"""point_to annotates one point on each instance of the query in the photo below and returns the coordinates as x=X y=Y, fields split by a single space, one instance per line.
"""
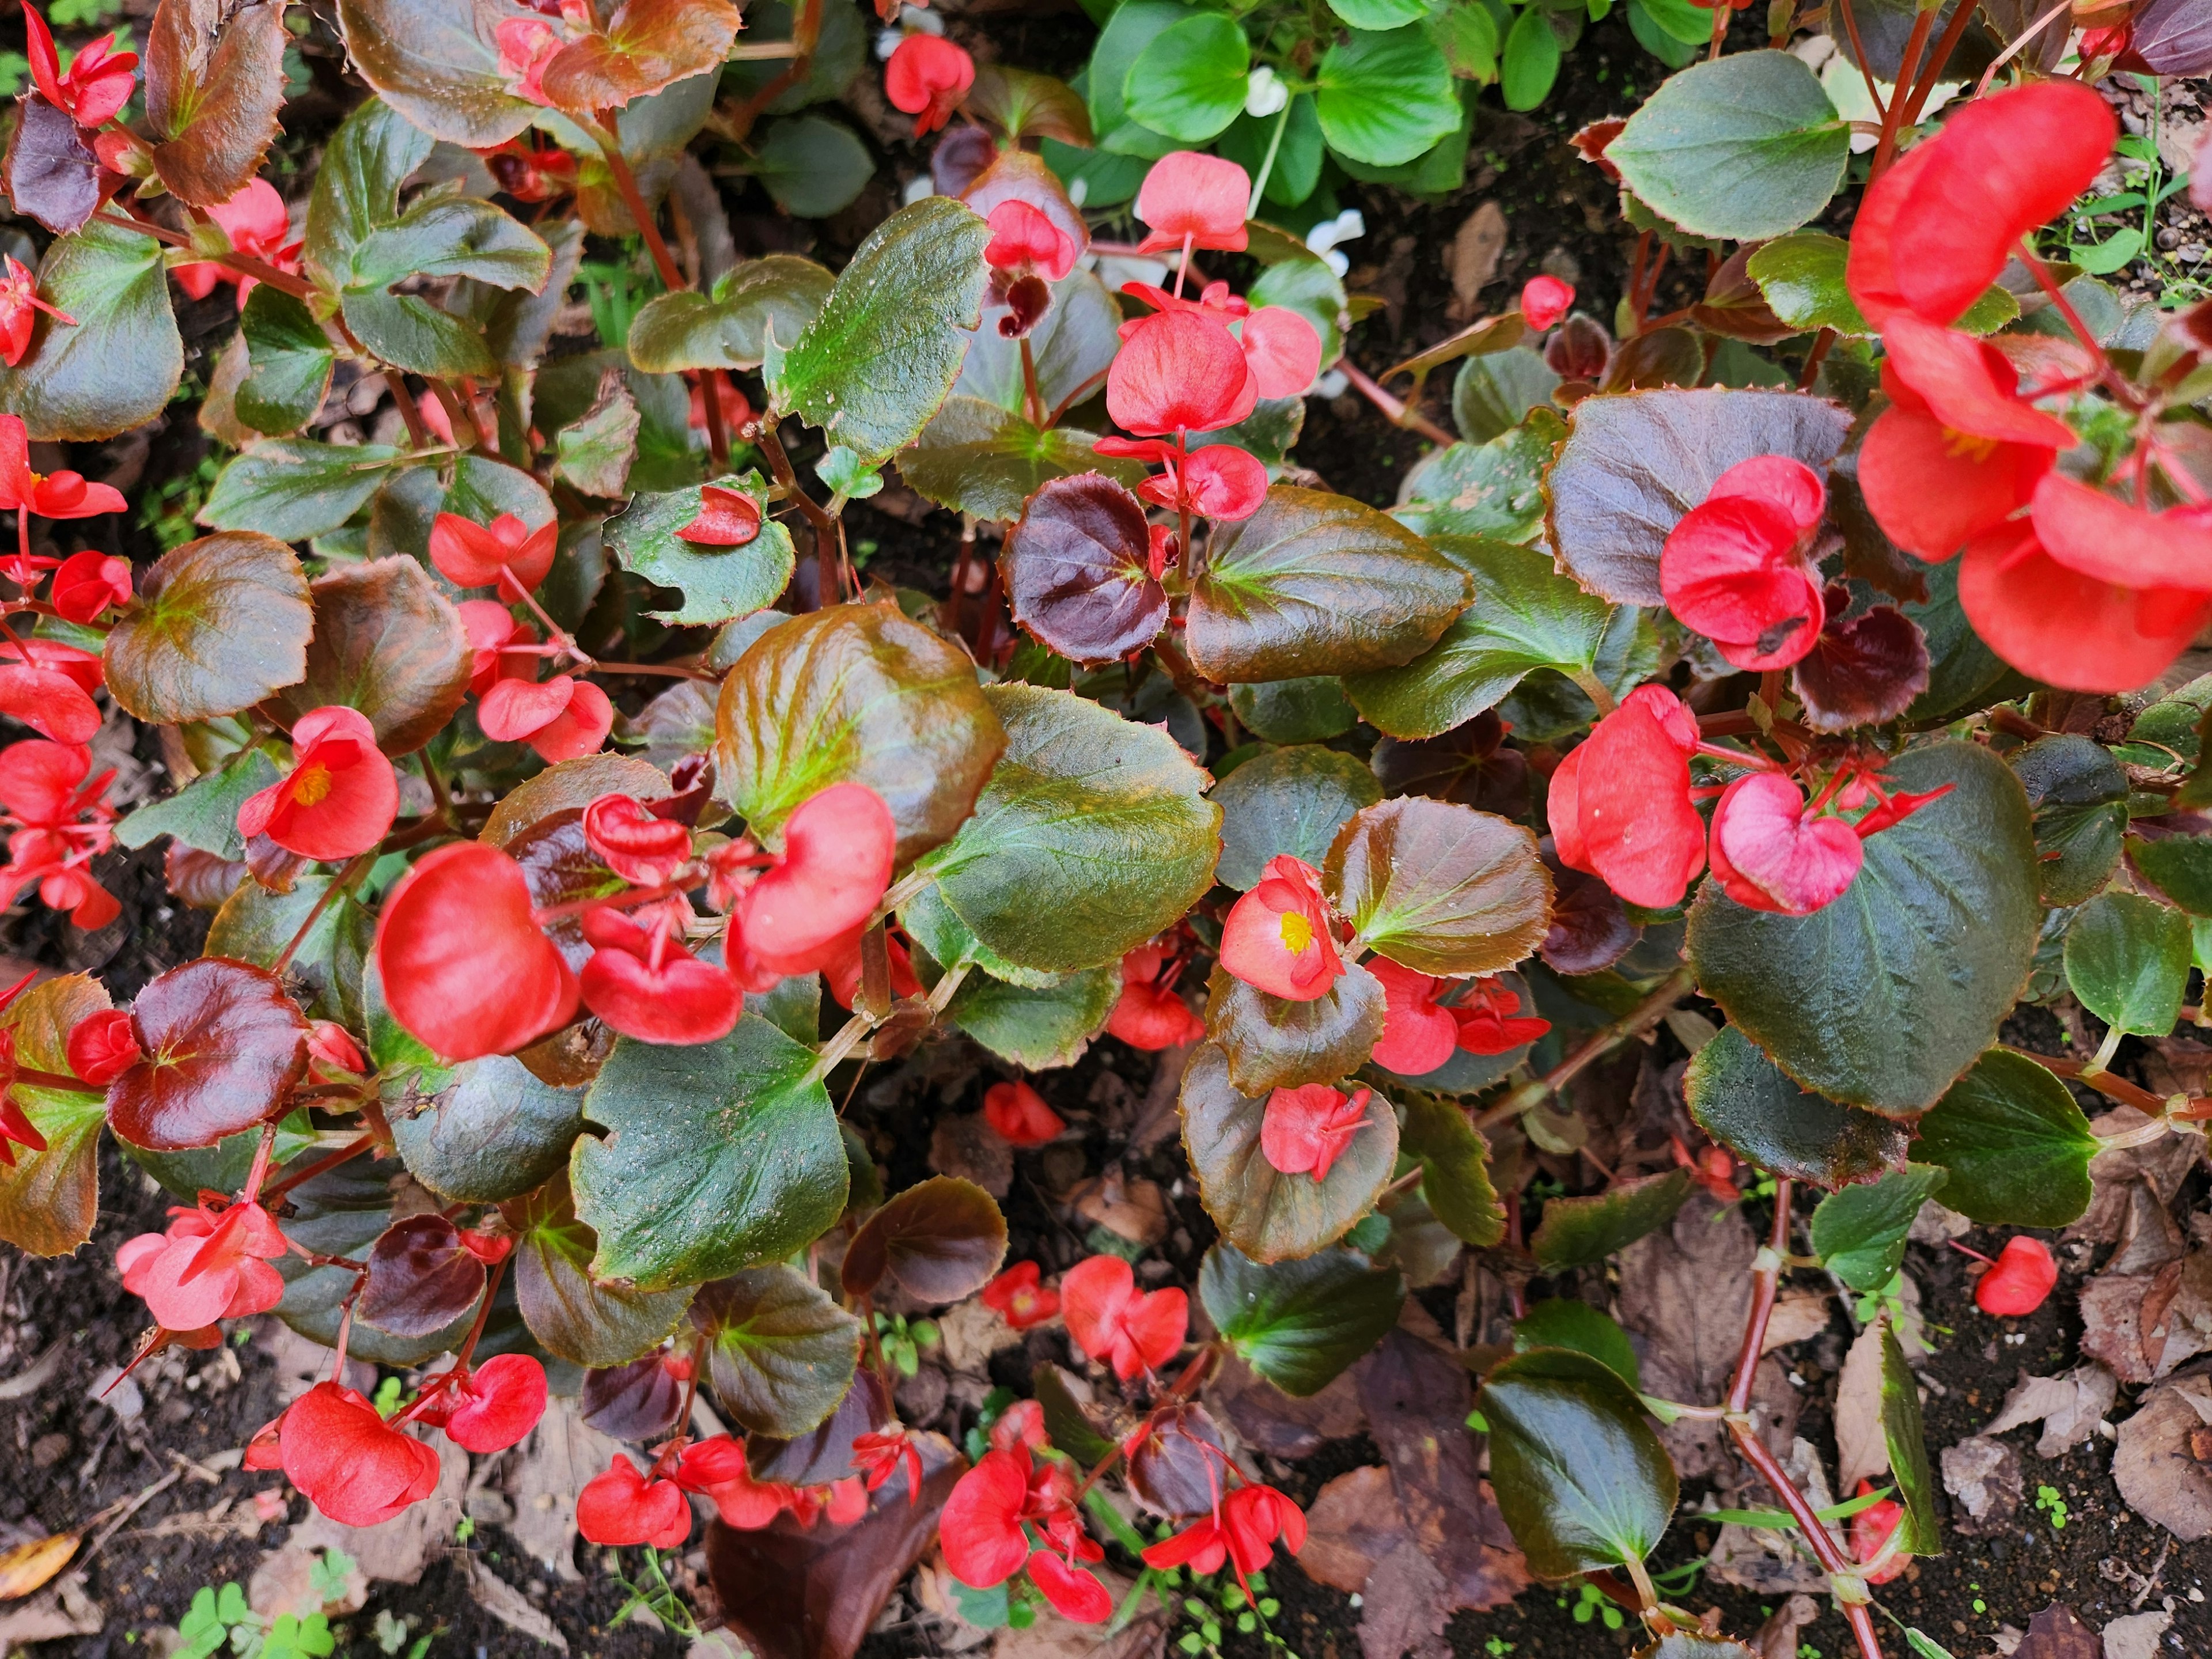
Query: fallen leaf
x=2145 y=1325
x=285 y=1581
x=2058 y=1633
x=1777 y=1636
x=1476 y=248
x=1405 y=1607
x=970 y=1333
x=2135 y=1637
x=970 y=1149
x=1862 y=1450
x=28 y=1566
x=510 y=1606
x=1134 y=1210
x=1797 y=1315
x=1281 y=1425
x=2165 y=1163
x=2151 y=1465
x=2149 y=1238
x=61 y=1609
x=1685 y=1290
x=1763 y=1559
x=2069 y=1406
x=1354 y=1522
x=1984 y=1476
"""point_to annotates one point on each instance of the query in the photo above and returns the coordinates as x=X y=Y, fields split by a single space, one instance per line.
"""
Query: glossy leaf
x=1633 y=465
x=779 y=1353
x=438 y=65
x=1072 y=348
x=1315 y=583
x=1269 y=1216
x=856 y=692
x=388 y=643
x=1575 y=1232
x=721 y=1155
x=825 y=1454
x=1743 y=1100
x=291 y=360
x=1801 y=277
x=728 y=326
x=1272 y=1043
x=577 y=1316
x=118 y=366
x=51 y=174
x=254 y=926
x=49 y=1200
x=1105 y=815
x=1307 y=709
x=1917 y=1531
x=2127 y=959
x=1387 y=97
x=1454 y=1169
x=2015 y=1144
x=718 y=584
x=1859 y=1232
x=203 y=814
x=217 y=625
x=645 y=45
x=978 y=459
x=1929 y=944
x=1290 y=800
x=223 y=1047
x=1494 y=392
x=214 y=86
x=571 y=787
x=420 y=1279
x=813 y=166
x=1299 y=1324
x=880 y=356
x=1442 y=889
x=1037 y=1027
x=2179 y=866
x=1563 y=1322
x=343 y=1212
x=492 y=1133
x=940 y=1241
x=1582 y=1479
x=294 y=488
x=1744 y=147
x=1075 y=567
x=1189 y=82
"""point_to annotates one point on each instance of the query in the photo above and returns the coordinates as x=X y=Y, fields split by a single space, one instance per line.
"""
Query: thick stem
x=1766 y=1280
x=1915 y=43
x=1412 y=419
x=1938 y=61
x=672 y=278
x=260 y=270
x=1032 y=399
x=718 y=437
x=1811 y=373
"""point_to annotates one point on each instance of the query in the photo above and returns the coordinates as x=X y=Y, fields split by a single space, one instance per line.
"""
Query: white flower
x=1331 y=384
x=1324 y=238
x=1265 y=93
x=912 y=20
x=917 y=187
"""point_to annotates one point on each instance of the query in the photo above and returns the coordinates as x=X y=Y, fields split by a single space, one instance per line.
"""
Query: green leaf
x=1565 y=1323
x=1917 y=1532
x=1273 y=1043
x=1803 y=278
x=49 y=1200
x=1686 y=22
x=1189 y=81
x=1379 y=14
x=578 y=1317
x=722 y=1155
x=1531 y=60
x=856 y=692
x=402 y=513
x=729 y=327
x=407 y=331
x=1744 y=147
x=1037 y=1028
x=1315 y=583
x=1454 y=1169
x=1859 y=1232
x=1581 y=1479
x=940 y=1241
x=293 y=489
x=203 y=814
x=291 y=359
x=218 y=625
x=1575 y=1232
x=1267 y=1215
x=437 y=66
x=2015 y=1143
x=593 y=454
x=877 y=361
x=1742 y=1100
x=1299 y=1324
x=1105 y=815
x=780 y=1352
x=929 y=922
x=2179 y=866
x=811 y=166
x=120 y=364
x=2127 y=958
x=387 y=643
x=255 y=925
x=1071 y=348
x=978 y=459
x=1386 y=97
x=1308 y=709
x=1929 y=947
x=718 y=584
x=1525 y=617
x=448 y=236
x=1441 y=888
x=1495 y=392
x=2078 y=795
x=493 y=1132
x=1290 y=800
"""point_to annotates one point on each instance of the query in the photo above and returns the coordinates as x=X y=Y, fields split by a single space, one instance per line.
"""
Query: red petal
x=2093 y=534
x=2070 y=630
x=1966 y=384
x=727 y=518
x=838 y=853
x=505 y=1399
x=981 y=1525
x=1179 y=371
x=49 y=703
x=1020 y=1115
x=684 y=1001
x=1074 y=1593
x=353 y=1466
x=1932 y=492
x=1203 y=198
x=1766 y=853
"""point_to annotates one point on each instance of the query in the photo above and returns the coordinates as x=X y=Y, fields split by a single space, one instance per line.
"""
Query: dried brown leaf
x=2152 y=1466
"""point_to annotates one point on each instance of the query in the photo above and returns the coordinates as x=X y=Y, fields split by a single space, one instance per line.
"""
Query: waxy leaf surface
x=1299 y=1323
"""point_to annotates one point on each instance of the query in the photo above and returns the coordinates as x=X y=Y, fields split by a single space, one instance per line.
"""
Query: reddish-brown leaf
x=648 y=45
x=214 y=86
x=224 y=1046
x=1075 y=569
x=420 y=1279
x=51 y=176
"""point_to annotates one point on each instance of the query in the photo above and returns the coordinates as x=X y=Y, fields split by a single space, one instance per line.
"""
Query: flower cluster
x=59 y=820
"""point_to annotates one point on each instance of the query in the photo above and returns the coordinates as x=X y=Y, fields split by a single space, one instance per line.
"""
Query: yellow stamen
x=1965 y=446
x=311 y=784
x=1297 y=932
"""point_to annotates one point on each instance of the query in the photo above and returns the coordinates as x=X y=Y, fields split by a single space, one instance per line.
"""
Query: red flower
x=562 y=719
x=257 y=224
x=1017 y=1296
x=1305 y=1130
x=100 y=77
x=527 y=47
x=2022 y=1277
x=838 y=851
x=1544 y=301
x=352 y=1465
x=47 y=495
x=102 y=1047
x=642 y=850
x=1112 y=1320
x=87 y=583
x=530 y=172
x=1935 y=230
x=842 y=972
x=1871 y=1528
x=1194 y=201
x=1020 y=1115
x=339 y=797
x=1242 y=1533
x=1280 y=346
x=981 y=1523
x=1619 y=803
x=49 y=703
x=622 y=1506
x=1021 y=1424
x=19 y=306
x=716 y=1467
x=737 y=415
x=879 y=1456
x=1490 y=1020
x=646 y=985
x=926 y=77
x=1735 y=568
x=499 y=644
x=1417 y=1035
x=1074 y=1593
x=499 y=1403
x=727 y=518
x=1023 y=239
x=506 y=551
x=1277 y=939
x=210 y=1265
x=1769 y=854
x=1712 y=1167
x=332 y=1053
x=1217 y=481
x=1179 y=371
x=1957 y=452
x=464 y=966
x=60 y=820
x=1150 y=1015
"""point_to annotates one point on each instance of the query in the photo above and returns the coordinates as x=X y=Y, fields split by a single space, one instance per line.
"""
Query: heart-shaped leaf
x=1742 y=1100
x=217 y=625
x=1287 y=801
x=223 y=1047
x=1299 y=1323
x=214 y=87
x=387 y=642
x=341 y=1212
x=2015 y=1142
x=420 y=1278
x=780 y=1352
x=1577 y=1232
x=1929 y=946
x=1075 y=567
x=1567 y=1322
x=1859 y=1232
x=254 y=926
x=492 y=1133
x=728 y=327
x=51 y=174
x=1442 y=889
x=438 y=65
x=49 y=1200
x=118 y=365
x=1454 y=1169
x=721 y=1155
x=940 y=1241
x=1272 y=1043
x=1268 y=1215
x=578 y=1317
x=718 y=584
x=2127 y=959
